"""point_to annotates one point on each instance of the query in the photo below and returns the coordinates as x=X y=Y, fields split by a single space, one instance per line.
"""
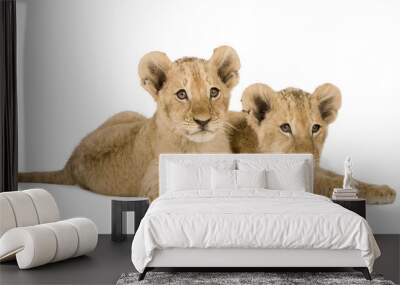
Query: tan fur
x=121 y=156
x=257 y=129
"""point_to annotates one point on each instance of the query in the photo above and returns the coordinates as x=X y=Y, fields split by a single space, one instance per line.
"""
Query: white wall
x=79 y=66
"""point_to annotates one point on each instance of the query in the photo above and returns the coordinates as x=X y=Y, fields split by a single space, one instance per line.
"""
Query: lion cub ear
x=153 y=68
x=227 y=62
x=329 y=100
x=256 y=102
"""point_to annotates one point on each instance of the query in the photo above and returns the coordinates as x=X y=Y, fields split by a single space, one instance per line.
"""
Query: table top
x=130 y=199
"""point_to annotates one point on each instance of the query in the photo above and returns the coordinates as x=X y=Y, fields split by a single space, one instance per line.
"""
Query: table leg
x=117 y=221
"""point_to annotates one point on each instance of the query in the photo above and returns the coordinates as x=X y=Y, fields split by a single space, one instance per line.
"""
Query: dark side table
x=355 y=205
x=119 y=209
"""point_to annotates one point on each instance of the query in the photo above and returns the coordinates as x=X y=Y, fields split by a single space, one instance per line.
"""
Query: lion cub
x=121 y=156
x=294 y=121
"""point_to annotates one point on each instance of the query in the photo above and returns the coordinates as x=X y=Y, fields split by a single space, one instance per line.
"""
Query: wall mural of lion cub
x=121 y=156
x=294 y=121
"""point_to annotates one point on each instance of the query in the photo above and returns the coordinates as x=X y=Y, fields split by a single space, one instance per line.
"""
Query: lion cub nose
x=202 y=123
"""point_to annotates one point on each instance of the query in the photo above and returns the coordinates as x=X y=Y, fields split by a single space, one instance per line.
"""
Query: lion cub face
x=291 y=120
x=192 y=94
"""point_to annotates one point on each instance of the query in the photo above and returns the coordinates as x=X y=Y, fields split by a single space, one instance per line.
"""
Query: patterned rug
x=244 y=278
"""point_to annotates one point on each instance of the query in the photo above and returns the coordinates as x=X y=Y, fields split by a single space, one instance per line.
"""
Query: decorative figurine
x=348 y=172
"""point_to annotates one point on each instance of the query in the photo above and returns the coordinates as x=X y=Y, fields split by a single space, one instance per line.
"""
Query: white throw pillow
x=193 y=175
x=183 y=178
x=292 y=178
x=251 y=178
x=227 y=179
x=282 y=174
x=223 y=179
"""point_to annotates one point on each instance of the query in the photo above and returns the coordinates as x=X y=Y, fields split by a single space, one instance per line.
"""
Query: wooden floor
x=111 y=259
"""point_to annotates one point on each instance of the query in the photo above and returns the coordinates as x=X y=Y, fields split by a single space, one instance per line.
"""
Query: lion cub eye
x=315 y=128
x=181 y=94
x=214 y=92
x=286 y=128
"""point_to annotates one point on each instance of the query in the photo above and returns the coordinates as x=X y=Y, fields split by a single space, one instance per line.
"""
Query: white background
x=78 y=60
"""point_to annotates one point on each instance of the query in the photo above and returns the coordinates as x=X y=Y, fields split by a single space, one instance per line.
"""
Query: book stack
x=344 y=194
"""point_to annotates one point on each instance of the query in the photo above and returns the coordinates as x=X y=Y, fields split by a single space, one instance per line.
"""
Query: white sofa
x=31 y=230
